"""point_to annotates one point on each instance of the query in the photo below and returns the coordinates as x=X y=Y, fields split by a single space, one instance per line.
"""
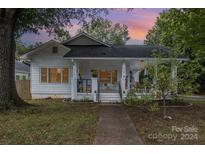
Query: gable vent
x=55 y=50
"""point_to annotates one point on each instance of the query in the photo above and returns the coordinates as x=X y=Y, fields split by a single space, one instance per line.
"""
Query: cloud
x=139 y=21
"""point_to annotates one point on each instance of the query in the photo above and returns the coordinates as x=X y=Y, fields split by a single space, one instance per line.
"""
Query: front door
x=108 y=80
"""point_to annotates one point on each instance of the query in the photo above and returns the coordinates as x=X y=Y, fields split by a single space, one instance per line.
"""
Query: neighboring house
x=22 y=71
x=86 y=68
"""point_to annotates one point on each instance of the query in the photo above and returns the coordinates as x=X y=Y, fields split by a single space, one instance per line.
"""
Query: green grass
x=49 y=122
x=152 y=123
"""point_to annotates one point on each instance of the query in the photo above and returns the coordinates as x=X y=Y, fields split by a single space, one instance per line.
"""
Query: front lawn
x=182 y=129
x=49 y=122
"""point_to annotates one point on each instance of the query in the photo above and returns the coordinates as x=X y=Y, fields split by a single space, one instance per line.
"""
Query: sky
x=139 y=21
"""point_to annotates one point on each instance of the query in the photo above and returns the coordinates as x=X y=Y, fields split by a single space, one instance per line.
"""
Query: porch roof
x=124 y=51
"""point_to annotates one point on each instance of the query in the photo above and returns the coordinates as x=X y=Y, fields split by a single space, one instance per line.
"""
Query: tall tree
x=20 y=49
x=14 y=23
x=183 y=32
x=106 y=31
x=62 y=35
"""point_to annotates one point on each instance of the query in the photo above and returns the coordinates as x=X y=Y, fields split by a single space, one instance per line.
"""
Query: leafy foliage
x=21 y=48
x=183 y=32
x=106 y=31
x=53 y=20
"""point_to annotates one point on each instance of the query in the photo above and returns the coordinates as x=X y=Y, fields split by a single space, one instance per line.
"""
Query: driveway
x=115 y=127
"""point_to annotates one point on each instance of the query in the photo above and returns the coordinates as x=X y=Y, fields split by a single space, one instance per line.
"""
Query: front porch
x=104 y=79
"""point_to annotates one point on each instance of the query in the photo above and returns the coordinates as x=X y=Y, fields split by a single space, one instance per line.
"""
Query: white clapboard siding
x=47 y=59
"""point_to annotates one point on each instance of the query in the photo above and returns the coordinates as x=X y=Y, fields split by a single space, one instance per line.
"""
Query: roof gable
x=44 y=46
x=84 y=39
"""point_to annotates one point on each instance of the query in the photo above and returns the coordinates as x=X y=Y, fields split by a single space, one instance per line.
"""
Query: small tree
x=163 y=83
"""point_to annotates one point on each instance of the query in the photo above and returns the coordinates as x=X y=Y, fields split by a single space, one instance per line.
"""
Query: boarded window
x=105 y=76
x=108 y=76
x=65 y=75
x=44 y=75
x=114 y=77
x=54 y=75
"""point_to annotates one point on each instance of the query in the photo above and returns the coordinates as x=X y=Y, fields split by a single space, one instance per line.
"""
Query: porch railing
x=84 y=85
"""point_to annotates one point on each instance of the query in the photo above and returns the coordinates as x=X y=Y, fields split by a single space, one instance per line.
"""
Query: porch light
x=142 y=64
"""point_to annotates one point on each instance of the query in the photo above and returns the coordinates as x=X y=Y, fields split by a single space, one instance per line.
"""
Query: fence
x=23 y=88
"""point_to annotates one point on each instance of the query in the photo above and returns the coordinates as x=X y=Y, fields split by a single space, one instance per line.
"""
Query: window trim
x=54 y=83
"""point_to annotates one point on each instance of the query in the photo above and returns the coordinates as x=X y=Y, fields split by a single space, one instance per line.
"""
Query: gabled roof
x=44 y=45
x=84 y=39
x=123 y=51
x=21 y=67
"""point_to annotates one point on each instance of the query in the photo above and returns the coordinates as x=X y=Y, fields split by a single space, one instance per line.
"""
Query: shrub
x=153 y=107
x=132 y=98
x=146 y=99
x=150 y=102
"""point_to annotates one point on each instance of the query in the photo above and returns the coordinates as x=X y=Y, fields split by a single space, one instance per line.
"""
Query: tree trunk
x=164 y=106
x=16 y=100
x=8 y=94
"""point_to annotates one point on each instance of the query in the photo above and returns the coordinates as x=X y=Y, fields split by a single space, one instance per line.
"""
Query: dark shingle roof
x=21 y=67
x=124 y=51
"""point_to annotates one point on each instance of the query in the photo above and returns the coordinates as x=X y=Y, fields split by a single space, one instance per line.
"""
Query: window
x=54 y=75
x=65 y=75
x=44 y=78
x=105 y=76
x=108 y=76
x=23 y=77
x=55 y=50
x=17 y=77
x=114 y=77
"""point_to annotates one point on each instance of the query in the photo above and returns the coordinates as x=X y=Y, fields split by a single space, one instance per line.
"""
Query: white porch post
x=74 y=82
x=136 y=76
x=145 y=74
x=155 y=80
x=123 y=78
x=94 y=89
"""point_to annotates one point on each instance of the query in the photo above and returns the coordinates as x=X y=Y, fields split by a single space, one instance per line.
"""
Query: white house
x=83 y=67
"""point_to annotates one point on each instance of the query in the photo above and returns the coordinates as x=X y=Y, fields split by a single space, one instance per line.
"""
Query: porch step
x=110 y=97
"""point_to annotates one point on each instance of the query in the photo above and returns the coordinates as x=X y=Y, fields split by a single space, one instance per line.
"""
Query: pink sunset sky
x=139 y=21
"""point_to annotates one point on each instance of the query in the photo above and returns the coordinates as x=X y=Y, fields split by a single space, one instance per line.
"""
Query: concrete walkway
x=115 y=127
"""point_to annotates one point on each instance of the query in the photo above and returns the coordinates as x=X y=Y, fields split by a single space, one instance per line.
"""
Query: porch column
x=74 y=82
x=136 y=76
x=123 y=78
x=145 y=74
x=155 y=74
x=157 y=96
x=94 y=89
